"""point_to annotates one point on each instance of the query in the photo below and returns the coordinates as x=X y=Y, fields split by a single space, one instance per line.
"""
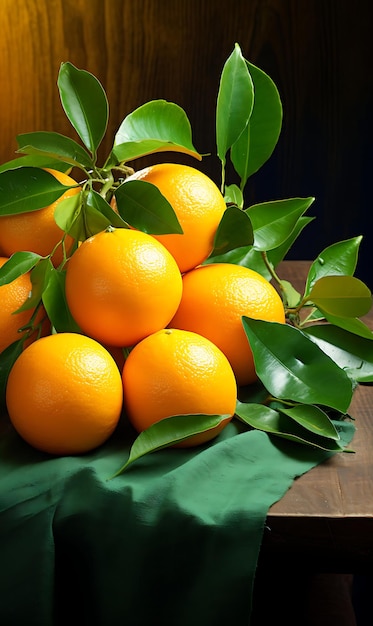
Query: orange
x=174 y=372
x=199 y=207
x=215 y=297
x=12 y=296
x=122 y=285
x=64 y=394
x=37 y=231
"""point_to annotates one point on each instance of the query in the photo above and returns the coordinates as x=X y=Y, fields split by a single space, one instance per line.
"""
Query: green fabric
x=172 y=541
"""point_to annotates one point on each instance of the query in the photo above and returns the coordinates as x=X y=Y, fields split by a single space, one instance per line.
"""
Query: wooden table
x=326 y=519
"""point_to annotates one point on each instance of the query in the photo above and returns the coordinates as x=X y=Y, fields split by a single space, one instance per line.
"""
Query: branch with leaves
x=308 y=369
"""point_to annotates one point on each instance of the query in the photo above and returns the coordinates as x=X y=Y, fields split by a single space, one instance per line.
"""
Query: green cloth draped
x=174 y=540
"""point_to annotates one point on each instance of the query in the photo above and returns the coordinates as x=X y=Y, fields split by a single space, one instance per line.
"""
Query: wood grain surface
x=318 y=52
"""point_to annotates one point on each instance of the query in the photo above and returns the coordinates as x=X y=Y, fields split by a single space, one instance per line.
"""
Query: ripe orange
x=64 y=394
x=199 y=207
x=37 y=231
x=176 y=372
x=122 y=285
x=215 y=297
x=12 y=296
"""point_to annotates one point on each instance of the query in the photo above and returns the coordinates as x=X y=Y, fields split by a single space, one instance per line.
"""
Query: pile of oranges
x=160 y=332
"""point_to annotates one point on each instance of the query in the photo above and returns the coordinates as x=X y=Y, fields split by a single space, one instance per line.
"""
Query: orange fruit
x=37 y=231
x=12 y=296
x=64 y=394
x=174 y=372
x=199 y=207
x=122 y=285
x=215 y=297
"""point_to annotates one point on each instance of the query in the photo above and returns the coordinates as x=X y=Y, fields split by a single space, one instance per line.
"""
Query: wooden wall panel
x=319 y=53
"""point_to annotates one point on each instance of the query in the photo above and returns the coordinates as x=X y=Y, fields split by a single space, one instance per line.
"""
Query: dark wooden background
x=319 y=53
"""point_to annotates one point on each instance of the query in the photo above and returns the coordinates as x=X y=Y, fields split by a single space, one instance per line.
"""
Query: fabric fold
x=173 y=540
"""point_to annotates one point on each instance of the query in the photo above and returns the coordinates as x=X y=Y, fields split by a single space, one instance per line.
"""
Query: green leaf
x=95 y=201
x=274 y=222
x=233 y=195
x=7 y=359
x=312 y=418
x=39 y=279
x=258 y=140
x=292 y=296
x=157 y=126
x=85 y=104
x=339 y=259
x=19 y=263
x=66 y=213
x=238 y=256
x=276 y=255
x=35 y=160
x=93 y=221
x=234 y=231
x=86 y=215
x=292 y=367
x=344 y=296
x=133 y=150
x=28 y=189
x=351 y=324
x=54 y=146
x=142 y=205
x=55 y=303
x=249 y=257
x=352 y=353
x=169 y=431
x=277 y=423
x=234 y=102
